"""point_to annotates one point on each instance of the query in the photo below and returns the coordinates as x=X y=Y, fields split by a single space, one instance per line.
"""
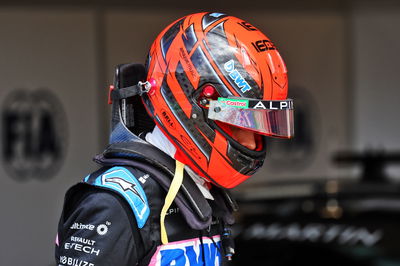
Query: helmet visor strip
x=270 y=118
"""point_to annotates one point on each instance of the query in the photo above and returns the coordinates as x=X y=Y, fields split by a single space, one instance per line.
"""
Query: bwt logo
x=191 y=256
x=235 y=75
x=33 y=134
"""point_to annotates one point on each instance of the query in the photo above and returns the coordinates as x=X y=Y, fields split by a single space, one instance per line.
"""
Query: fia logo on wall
x=34 y=134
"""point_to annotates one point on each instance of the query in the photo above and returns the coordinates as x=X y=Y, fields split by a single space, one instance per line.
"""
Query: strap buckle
x=144 y=87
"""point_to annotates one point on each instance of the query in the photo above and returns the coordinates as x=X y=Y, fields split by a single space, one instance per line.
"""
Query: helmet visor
x=270 y=118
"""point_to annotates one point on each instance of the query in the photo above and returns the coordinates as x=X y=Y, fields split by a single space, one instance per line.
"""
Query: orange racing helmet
x=211 y=70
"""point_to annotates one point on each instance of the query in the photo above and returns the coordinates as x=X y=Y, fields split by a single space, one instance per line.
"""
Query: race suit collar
x=131 y=150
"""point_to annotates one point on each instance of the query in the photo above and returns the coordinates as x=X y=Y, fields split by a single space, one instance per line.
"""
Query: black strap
x=123 y=93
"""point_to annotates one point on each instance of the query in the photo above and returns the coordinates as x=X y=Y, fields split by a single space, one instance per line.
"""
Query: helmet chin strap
x=173 y=190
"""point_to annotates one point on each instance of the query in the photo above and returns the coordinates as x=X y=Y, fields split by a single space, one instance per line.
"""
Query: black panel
x=184 y=81
x=189 y=39
x=136 y=118
x=188 y=89
x=187 y=123
x=169 y=36
x=207 y=73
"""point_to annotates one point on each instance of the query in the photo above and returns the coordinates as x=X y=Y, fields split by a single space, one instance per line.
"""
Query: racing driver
x=185 y=128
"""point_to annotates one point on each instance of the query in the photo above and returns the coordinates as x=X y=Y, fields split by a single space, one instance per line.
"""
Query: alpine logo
x=271 y=105
x=236 y=76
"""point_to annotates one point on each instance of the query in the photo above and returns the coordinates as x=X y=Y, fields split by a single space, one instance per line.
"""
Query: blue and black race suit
x=113 y=217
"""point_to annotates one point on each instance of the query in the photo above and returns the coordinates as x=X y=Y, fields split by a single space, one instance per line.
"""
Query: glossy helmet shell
x=236 y=59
